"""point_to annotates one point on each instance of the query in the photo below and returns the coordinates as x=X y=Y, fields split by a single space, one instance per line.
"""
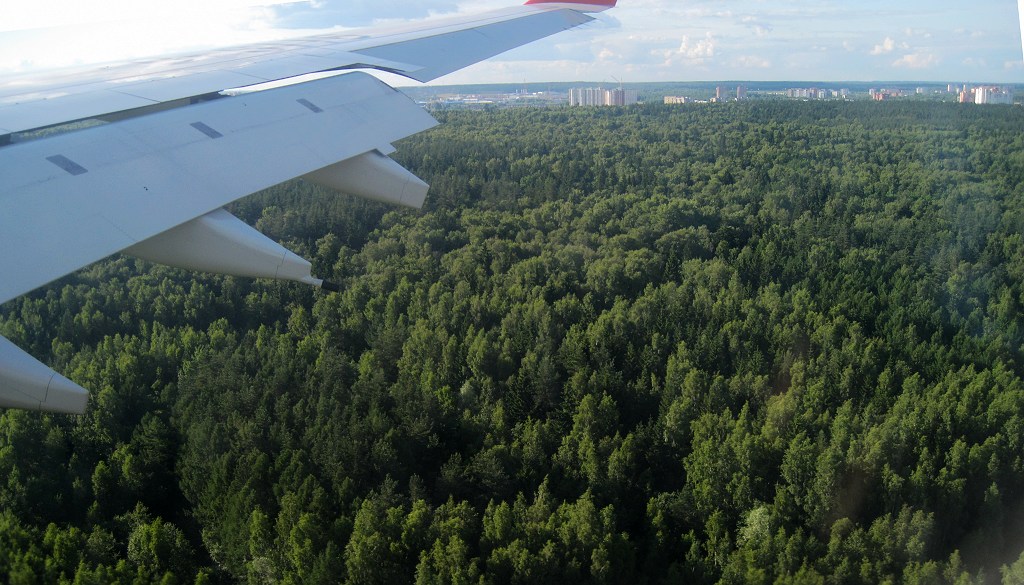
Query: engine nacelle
x=373 y=176
x=27 y=383
x=220 y=242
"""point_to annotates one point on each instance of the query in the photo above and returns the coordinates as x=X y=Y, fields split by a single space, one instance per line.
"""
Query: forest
x=774 y=343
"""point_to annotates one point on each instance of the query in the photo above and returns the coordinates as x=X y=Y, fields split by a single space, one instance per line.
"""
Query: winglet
x=603 y=4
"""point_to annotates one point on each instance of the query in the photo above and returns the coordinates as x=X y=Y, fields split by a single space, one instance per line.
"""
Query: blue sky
x=640 y=40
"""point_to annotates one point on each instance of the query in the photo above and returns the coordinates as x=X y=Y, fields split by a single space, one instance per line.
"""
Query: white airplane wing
x=142 y=157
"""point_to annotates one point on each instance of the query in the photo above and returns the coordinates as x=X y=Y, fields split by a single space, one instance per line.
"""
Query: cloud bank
x=640 y=40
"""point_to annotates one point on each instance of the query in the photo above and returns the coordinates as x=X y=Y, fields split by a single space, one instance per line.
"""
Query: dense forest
x=769 y=343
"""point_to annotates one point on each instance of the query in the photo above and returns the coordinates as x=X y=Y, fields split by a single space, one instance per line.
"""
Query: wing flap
x=146 y=175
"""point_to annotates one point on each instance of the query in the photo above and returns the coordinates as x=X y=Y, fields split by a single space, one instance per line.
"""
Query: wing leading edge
x=423 y=52
x=165 y=147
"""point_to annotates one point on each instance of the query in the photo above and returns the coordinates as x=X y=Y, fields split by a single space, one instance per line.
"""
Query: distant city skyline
x=640 y=40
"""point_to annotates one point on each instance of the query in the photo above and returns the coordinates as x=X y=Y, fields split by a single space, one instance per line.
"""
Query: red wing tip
x=607 y=3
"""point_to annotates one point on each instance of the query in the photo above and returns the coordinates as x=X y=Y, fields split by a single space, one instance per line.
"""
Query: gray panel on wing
x=147 y=175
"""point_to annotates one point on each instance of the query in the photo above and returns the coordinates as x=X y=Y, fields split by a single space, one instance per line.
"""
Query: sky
x=639 y=40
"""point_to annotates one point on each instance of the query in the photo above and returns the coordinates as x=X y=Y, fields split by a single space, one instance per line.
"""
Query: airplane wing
x=142 y=157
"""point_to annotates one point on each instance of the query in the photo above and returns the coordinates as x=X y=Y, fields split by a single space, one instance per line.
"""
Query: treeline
x=773 y=343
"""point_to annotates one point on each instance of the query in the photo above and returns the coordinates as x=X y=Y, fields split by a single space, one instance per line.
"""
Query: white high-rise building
x=596 y=96
x=620 y=97
x=991 y=94
x=589 y=96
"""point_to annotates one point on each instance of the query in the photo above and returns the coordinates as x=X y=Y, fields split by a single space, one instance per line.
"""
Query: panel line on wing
x=67 y=164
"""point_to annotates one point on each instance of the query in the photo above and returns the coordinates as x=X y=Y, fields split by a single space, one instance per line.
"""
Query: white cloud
x=973 y=34
x=916 y=61
x=760 y=28
x=887 y=46
x=702 y=49
x=916 y=32
x=752 y=62
x=59 y=33
x=52 y=13
x=689 y=50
